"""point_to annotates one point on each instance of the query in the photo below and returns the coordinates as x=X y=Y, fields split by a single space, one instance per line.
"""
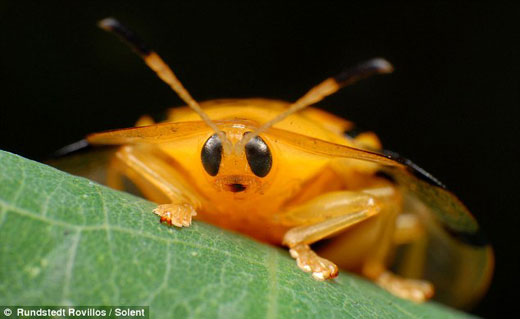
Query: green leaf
x=65 y=240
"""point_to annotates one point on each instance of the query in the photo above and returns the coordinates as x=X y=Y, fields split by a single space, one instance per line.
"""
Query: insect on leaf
x=66 y=240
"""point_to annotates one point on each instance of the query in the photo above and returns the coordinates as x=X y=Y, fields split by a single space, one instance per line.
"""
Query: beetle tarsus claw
x=411 y=289
x=308 y=261
x=179 y=215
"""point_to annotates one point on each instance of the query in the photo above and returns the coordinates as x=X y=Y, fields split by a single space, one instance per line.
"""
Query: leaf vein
x=26 y=213
x=70 y=266
x=45 y=206
x=164 y=281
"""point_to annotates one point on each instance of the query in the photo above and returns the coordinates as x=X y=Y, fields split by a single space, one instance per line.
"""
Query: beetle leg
x=412 y=289
x=308 y=261
x=327 y=206
x=179 y=214
x=337 y=211
x=144 y=166
x=376 y=260
x=372 y=243
x=408 y=228
x=375 y=266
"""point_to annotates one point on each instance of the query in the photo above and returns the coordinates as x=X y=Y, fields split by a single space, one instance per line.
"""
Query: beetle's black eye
x=211 y=155
x=259 y=156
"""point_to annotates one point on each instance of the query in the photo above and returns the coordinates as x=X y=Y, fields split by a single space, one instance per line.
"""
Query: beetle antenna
x=319 y=92
x=154 y=62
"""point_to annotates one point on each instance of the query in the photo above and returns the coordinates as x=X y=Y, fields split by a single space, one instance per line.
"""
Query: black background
x=452 y=105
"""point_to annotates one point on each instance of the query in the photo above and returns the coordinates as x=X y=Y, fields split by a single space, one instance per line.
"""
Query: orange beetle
x=286 y=174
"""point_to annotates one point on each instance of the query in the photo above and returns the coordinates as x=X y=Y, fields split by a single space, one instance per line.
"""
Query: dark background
x=452 y=105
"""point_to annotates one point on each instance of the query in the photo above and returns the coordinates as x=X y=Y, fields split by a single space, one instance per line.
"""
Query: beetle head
x=237 y=171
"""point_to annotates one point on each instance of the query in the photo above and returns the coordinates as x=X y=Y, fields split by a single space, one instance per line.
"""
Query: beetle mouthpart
x=236 y=188
x=235 y=183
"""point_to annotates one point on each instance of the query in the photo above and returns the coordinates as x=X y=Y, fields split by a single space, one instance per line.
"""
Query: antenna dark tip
x=381 y=65
x=363 y=70
x=113 y=25
x=163 y=71
x=108 y=24
x=324 y=89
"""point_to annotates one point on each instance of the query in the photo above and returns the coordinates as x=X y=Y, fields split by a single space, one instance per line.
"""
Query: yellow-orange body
x=285 y=173
x=296 y=176
x=299 y=175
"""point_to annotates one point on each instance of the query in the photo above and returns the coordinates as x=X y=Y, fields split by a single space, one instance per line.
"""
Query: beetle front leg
x=178 y=214
x=332 y=212
x=308 y=261
x=146 y=167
